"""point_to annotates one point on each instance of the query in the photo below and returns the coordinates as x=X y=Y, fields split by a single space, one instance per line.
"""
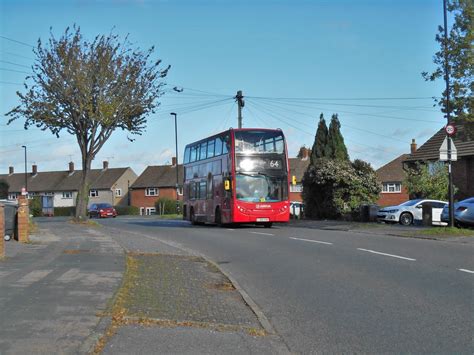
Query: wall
x=140 y=200
x=105 y=196
x=126 y=180
x=463 y=177
x=59 y=201
x=393 y=199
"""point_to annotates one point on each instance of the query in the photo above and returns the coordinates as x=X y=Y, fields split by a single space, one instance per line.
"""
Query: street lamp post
x=26 y=172
x=176 y=145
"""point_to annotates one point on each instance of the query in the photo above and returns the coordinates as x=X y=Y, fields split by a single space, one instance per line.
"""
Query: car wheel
x=406 y=219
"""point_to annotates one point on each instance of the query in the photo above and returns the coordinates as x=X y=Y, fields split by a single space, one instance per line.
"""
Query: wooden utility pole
x=240 y=103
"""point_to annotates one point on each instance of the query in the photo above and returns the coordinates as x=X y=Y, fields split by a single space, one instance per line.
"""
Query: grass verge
x=446 y=232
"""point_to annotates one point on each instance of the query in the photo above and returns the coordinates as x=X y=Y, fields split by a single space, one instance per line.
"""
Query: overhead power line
x=16 y=71
x=16 y=41
x=11 y=63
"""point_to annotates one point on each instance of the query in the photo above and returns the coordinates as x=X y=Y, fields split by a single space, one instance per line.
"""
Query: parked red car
x=102 y=210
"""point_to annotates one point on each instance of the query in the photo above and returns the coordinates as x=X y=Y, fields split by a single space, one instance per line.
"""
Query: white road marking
x=393 y=256
x=312 y=241
x=466 y=270
x=262 y=233
x=230 y=229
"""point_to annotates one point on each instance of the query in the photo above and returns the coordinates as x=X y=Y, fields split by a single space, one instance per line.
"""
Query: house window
x=152 y=191
x=118 y=192
x=391 y=187
x=180 y=191
x=93 y=193
x=67 y=194
x=296 y=188
x=150 y=210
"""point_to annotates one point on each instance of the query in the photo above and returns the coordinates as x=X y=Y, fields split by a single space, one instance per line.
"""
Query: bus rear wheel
x=218 y=217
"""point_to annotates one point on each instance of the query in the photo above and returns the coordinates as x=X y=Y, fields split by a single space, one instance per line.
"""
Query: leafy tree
x=4 y=187
x=89 y=89
x=335 y=188
x=460 y=56
x=336 y=149
x=319 y=149
x=427 y=181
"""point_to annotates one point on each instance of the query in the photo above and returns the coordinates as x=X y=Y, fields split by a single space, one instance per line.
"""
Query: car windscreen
x=104 y=205
x=410 y=203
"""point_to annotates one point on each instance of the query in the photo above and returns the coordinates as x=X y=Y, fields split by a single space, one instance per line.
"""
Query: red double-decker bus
x=237 y=176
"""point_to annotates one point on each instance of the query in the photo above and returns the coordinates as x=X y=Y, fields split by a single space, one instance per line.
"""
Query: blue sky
x=292 y=59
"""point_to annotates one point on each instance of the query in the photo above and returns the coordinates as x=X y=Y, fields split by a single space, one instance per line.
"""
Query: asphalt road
x=333 y=291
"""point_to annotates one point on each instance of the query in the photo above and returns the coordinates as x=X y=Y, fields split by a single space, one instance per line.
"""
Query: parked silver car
x=463 y=212
x=407 y=212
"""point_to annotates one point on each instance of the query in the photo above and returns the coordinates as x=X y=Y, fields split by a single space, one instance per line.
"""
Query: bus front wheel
x=268 y=225
x=192 y=217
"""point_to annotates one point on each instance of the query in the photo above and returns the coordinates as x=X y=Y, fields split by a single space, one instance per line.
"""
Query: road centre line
x=466 y=270
x=391 y=255
x=262 y=233
x=309 y=240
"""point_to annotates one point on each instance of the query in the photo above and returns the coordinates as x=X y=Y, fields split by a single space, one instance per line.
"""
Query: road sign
x=443 y=151
x=450 y=129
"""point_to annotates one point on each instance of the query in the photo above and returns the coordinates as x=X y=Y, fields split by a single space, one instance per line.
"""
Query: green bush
x=35 y=206
x=127 y=210
x=167 y=206
x=64 y=211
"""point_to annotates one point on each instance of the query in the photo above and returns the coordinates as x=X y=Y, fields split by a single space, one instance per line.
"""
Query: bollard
x=23 y=219
x=2 y=231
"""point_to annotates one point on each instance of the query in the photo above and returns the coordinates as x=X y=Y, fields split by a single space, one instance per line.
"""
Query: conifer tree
x=320 y=141
x=336 y=149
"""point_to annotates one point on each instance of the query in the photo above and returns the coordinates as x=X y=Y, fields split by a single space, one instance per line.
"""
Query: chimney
x=173 y=161
x=413 y=146
x=306 y=153
x=105 y=164
x=71 y=167
x=11 y=170
x=34 y=169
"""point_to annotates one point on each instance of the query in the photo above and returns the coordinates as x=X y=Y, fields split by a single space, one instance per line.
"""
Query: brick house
x=463 y=168
x=156 y=182
x=60 y=188
x=298 y=167
x=391 y=177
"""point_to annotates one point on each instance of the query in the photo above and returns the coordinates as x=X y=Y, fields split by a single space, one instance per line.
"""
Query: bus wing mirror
x=227 y=184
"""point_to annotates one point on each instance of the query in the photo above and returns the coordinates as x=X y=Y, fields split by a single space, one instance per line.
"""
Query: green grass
x=447 y=231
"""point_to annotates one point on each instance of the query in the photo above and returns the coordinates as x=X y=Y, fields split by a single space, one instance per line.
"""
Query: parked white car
x=407 y=212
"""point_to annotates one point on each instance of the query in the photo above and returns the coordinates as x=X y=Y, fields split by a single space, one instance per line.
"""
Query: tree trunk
x=83 y=193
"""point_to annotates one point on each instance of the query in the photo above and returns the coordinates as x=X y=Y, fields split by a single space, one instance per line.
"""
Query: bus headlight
x=247 y=164
x=242 y=209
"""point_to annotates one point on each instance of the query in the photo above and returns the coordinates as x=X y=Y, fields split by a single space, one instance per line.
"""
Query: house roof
x=298 y=167
x=430 y=150
x=51 y=181
x=159 y=176
x=392 y=171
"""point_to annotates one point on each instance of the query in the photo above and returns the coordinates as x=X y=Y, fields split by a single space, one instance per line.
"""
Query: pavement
x=58 y=295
